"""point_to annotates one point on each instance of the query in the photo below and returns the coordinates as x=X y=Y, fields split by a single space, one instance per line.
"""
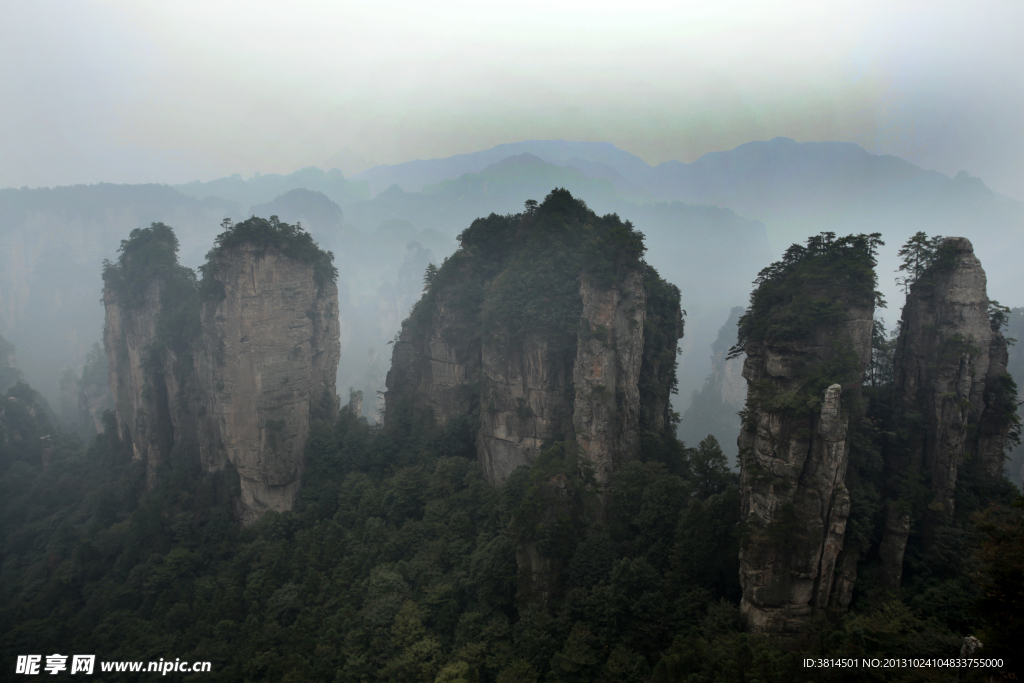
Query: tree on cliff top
x=147 y=254
x=291 y=240
x=809 y=286
x=917 y=253
x=521 y=272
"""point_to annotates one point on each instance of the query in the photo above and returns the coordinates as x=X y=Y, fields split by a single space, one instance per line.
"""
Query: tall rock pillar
x=794 y=443
x=270 y=351
x=950 y=391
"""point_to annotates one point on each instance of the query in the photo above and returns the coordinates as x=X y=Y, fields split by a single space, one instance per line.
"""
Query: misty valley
x=542 y=412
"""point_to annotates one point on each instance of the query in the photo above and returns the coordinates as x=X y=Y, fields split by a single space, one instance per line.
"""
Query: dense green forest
x=399 y=563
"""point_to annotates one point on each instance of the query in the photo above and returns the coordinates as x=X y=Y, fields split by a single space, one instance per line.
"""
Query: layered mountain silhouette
x=710 y=226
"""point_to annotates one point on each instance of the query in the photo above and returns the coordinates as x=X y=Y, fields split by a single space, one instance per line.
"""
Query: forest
x=398 y=562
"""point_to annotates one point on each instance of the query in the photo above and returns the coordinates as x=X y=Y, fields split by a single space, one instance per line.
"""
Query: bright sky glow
x=174 y=91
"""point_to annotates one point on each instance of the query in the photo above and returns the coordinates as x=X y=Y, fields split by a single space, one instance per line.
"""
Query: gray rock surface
x=948 y=366
x=606 y=374
x=267 y=354
x=141 y=413
x=270 y=351
x=523 y=389
x=524 y=399
x=793 y=466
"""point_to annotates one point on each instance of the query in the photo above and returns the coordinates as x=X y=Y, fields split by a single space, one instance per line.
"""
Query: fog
x=155 y=92
x=724 y=132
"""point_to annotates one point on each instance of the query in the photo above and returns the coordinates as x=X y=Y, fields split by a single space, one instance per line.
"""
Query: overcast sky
x=130 y=91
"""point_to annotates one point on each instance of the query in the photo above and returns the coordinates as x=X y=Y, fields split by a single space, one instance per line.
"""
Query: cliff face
x=606 y=374
x=270 y=352
x=793 y=467
x=137 y=379
x=575 y=377
x=950 y=368
x=526 y=392
x=794 y=444
x=231 y=374
x=434 y=363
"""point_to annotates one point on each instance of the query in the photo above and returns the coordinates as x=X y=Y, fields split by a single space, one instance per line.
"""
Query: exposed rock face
x=526 y=393
x=140 y=399
x=544 y=327
x=606 y=374
x=793 y=494
x=526 y=390
x=540 y=328
x=270 y=353
x=950 y=366
x=794 y=451
x=433 y=365
x=238 y=390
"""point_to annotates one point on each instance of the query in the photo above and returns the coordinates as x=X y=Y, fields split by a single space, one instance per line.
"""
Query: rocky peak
x=135 y=335
x=807 y=335
x=232 y=366
x=950 y=369
x=270 y=355
x=538 y=328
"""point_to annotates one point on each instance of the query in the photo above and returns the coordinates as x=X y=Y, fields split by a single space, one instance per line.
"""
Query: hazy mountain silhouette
x=522 y=175
x=260 y=189
x=313 y=209
x=711 y=224
x=413 y=176
x=52 y=245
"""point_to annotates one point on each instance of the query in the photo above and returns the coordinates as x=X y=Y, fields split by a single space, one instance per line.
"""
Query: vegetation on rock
x=810 y=286
x=262 y=233
x=399 y=561
x=520 y=273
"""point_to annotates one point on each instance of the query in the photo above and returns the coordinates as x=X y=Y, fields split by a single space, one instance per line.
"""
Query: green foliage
x=709 y=467
x=150 y=255
x=290 y=240
x=147 y=255
x=811 y=286
x=1001 y=566
x=918 y=254
x=520 y=273
x=557 y=500
x=998 y=315
x=663 y=324
x=881 y=370
x=399 y=563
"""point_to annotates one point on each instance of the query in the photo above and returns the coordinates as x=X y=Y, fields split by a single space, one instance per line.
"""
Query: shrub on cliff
x=521 y=272
x=808 y=287
x=290 y=240
x=147 y=254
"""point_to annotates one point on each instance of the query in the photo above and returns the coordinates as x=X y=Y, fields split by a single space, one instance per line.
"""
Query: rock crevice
x=232 y=374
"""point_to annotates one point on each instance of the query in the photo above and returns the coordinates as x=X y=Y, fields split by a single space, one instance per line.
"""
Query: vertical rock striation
x=140 y=337
x=806 y=334
x=524 y=391
x=270 y=350
x=950 y=389
x=606 y=374
x=230 y=369
x=551 y=334
x=433 y=364
x=127 y=334
x=588 y=374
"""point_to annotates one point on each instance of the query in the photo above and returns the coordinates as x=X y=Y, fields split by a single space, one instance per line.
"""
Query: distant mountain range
x=711 y=225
